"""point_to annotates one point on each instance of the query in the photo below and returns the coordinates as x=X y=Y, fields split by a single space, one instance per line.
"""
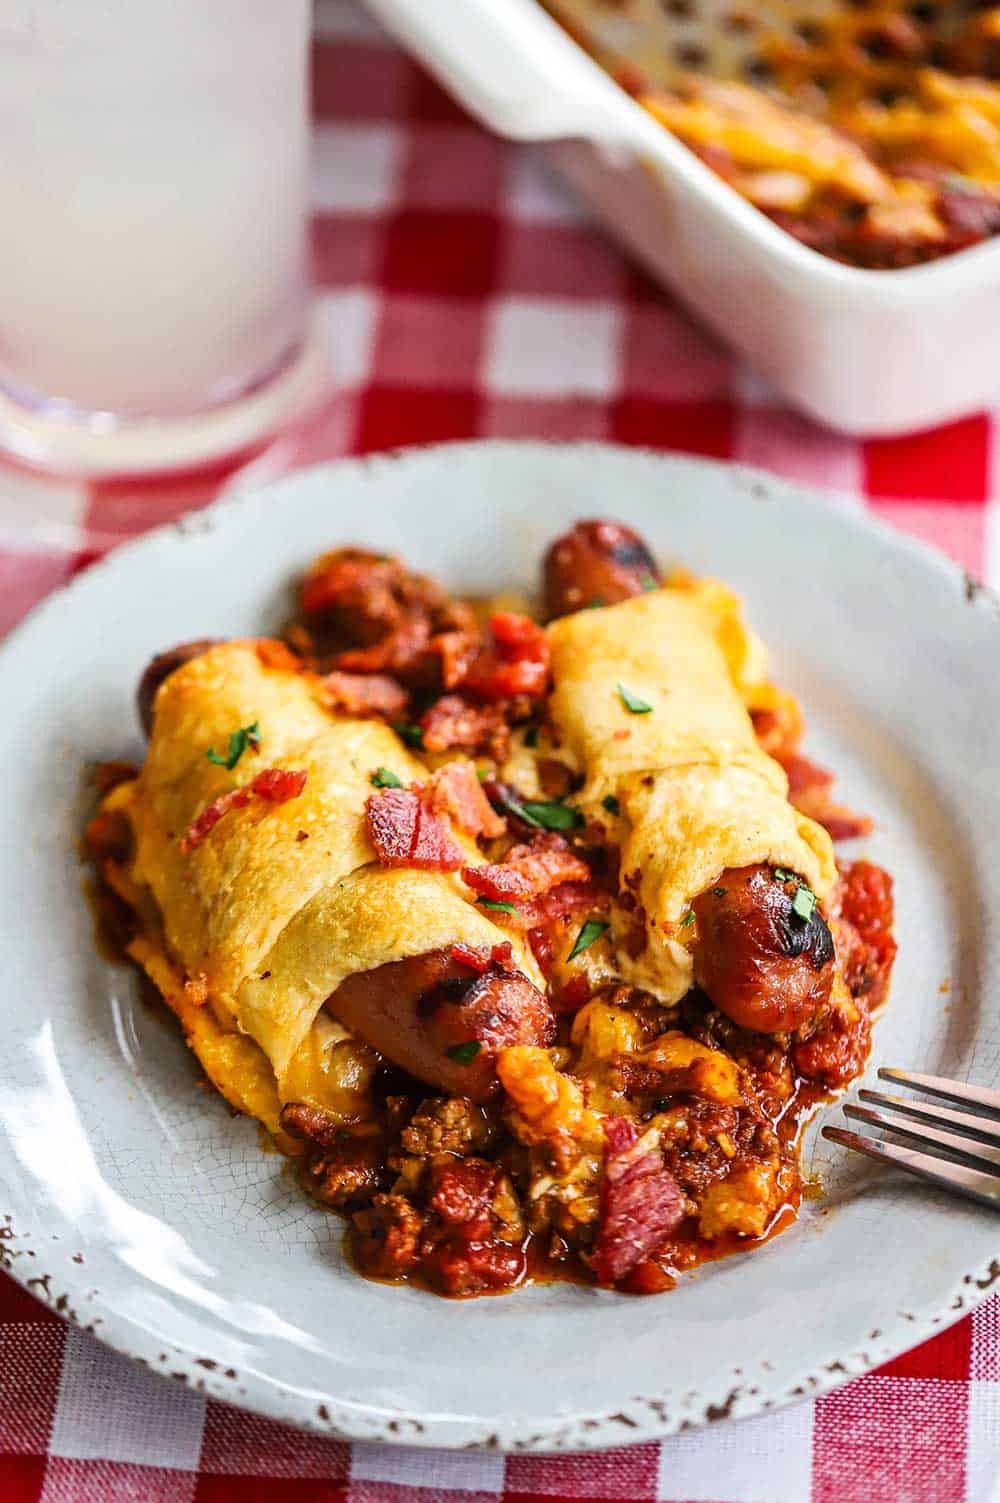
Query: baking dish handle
x=510 y=65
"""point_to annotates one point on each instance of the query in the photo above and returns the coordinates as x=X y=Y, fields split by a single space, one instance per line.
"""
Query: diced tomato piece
x=517 y=636
x=867 y=903
x=516 y=664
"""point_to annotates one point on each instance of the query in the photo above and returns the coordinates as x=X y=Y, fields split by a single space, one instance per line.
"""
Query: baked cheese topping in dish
x=870 y=131
x=526 y=942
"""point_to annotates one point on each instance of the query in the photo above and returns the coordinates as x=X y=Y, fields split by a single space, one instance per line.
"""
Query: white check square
x=356 y=169
x=113 y=1409
x=544 y=347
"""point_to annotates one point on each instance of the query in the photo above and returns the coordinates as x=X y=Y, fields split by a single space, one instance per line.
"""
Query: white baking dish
x=869 y=352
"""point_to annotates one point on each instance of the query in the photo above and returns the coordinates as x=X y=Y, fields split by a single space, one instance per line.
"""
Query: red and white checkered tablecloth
x=465 y=295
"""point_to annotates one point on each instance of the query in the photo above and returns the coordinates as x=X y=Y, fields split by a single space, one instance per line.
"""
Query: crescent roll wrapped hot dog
x=648 y=709
x=263 y=900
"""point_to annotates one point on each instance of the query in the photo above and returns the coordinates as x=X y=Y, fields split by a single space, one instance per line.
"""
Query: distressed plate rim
x=34 y=1256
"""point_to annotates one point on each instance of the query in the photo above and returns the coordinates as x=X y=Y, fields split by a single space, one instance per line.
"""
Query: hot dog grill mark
x=631 y=553
x=812 y=939
x=441 y=1022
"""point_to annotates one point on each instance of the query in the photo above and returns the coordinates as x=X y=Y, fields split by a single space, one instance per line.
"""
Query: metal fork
x=962 y=1148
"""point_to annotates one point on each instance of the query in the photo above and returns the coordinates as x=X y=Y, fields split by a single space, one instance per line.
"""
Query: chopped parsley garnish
x=247 y=735
x=412 y=734
x=688 y=918
x=545 y=815
x=531 y=736
x=718 y=892
x=497 y=906
x=591 y=931
x=611 y=804
x=595 y=604
x=804 y=904
x=464 y=1053
x=632 y=702
x=648 y=582
x=382 y=777
x=805 y=900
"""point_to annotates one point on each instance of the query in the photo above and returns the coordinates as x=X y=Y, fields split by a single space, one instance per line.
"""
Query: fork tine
x=987 y=1159
x=980 y=1128
x=984 y=1188
x=977 y=1098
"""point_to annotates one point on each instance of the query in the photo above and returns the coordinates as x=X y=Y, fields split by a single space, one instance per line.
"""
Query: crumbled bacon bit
x=804 y=774
x=456 y=791
x=473 y=960
x=641 y=1202
x=364 y=694
x=406 y=832
x=542 y=918
x=838 y=821
x=528 y=871
x=275 y=785
x=562 y=902
x=478 y=959
x=454 y=722
x=810 y=789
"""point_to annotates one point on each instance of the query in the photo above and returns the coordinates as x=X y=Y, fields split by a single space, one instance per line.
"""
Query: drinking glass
x=154 y=298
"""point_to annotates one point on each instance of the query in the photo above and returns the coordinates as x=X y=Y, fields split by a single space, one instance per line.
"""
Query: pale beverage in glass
x=152 y=250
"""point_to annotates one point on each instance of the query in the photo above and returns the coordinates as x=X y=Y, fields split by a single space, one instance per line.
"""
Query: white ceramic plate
x=140 y=1208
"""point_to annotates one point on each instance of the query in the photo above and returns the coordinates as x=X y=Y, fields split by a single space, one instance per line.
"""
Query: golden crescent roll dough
x=281 y=902
x=696 y=794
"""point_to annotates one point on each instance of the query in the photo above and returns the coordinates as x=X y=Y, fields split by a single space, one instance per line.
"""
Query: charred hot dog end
x=596 y=563
x=159 y=669
x=760 y=959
